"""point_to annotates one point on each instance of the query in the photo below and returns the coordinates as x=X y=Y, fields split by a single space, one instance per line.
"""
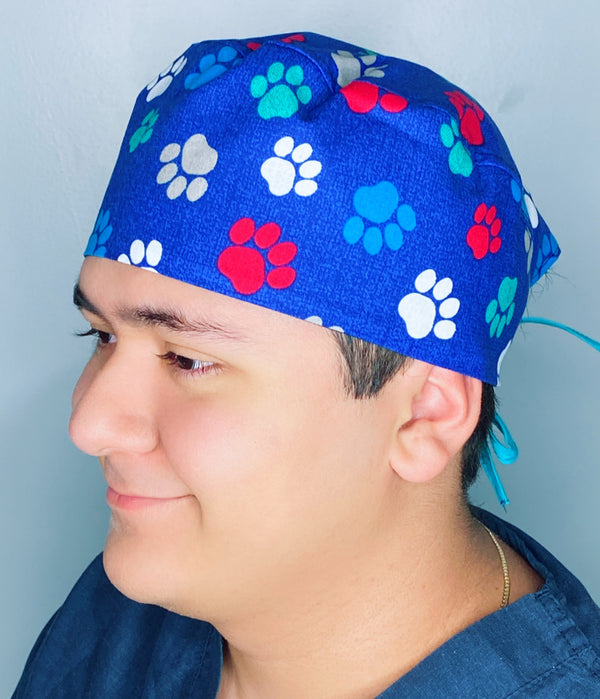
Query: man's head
x=271 y=182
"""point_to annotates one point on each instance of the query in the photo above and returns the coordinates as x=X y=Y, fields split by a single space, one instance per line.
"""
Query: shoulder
x=112 y=646
x=563 y=595
x=545 y=644
x=550 y=639
x=578 y=676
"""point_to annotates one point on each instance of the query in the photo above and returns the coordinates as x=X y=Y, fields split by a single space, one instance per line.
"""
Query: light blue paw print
x=459 y=158
x=281 y=91
x=101 y=233
x=547 y=255
x=379 y=204
x=211 y=67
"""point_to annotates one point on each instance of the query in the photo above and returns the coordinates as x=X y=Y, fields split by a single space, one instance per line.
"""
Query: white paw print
x=164 y=79
x=281 y=173
x=197 y=158
x=501 y=359
x=351 y=68
x=317 y=320
x=528 y=248
x=419 y=311
x=531 y=210
x=137 y=252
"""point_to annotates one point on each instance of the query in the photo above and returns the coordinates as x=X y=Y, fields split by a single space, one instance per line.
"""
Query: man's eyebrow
x=82 y=302
x=160 y=317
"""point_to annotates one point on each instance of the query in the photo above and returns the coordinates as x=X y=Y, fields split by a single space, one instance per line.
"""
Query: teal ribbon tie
x=505 y=448
x=500 y=440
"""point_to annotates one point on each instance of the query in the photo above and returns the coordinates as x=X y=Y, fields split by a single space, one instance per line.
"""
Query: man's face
x=251 y=476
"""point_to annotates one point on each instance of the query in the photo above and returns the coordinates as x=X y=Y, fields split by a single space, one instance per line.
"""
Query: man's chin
x=145 y=551
x=138 y=573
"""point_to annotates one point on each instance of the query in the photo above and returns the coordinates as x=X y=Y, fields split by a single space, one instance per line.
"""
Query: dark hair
x=368 y=367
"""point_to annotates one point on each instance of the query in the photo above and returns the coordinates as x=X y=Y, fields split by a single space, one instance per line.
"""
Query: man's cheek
x=208 y=443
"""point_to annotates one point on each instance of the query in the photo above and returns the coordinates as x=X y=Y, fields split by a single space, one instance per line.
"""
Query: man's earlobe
x=445 y=409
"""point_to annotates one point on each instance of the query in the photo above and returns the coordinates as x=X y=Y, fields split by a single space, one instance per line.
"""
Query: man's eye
x=104 y=338
x=187 y=365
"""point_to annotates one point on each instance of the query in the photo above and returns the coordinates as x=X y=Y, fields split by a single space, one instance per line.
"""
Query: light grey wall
x=71 y=70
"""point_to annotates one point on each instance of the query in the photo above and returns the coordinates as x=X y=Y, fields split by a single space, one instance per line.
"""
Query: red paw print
x=253 y=45
x=484 y=236
x=245 y=266
x=362 y=97
x=470 y=115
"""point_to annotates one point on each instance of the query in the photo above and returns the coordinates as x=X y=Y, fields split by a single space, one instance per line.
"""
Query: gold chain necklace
x=506 y=592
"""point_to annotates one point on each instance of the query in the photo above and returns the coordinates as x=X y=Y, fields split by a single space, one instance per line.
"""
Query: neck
x=390 y=603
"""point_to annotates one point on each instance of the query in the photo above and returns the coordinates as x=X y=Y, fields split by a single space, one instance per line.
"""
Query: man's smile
x=123 y=501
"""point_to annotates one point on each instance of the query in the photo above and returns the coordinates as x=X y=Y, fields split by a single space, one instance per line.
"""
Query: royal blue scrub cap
x=315 y=178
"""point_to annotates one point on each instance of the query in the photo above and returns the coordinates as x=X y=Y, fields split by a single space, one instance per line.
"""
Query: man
x=289 y=516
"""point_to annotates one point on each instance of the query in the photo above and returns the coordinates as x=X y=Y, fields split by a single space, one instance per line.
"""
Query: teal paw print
x=101 y=233
x=279 y=98
x=459 y=158
x=143 y=134
x=378 y=205
x=500 y=311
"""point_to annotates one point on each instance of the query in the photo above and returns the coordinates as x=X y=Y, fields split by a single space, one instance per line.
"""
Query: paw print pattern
x=459 y=158
x=547 y=254
x=548 y=251
x=520 y=195
x=253 y=45
x=197 y=159
x=363 y=97
x=501 y=359
x=211 y=67
x=528 y=241
x=101 y=233
x=419 y=311
x=280 y=172
x=143 y=133
x=138 y=251
x=317 y=320
x=378 y=205
x=470 y=115
x=281 y=91
x=500 y=310
x=351 y=67
x=245 y=266
x=164 y=79
x=484 y=236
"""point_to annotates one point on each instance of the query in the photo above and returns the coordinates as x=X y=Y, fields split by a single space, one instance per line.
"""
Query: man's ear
x=444 y=411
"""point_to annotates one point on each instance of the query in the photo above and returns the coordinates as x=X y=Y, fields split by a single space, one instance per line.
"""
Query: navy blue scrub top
x=101 y=644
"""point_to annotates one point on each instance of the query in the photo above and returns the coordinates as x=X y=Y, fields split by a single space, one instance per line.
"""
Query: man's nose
x=113 y=405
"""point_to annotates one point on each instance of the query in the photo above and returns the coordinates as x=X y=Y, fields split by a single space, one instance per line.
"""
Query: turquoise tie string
x=505 y=448
x=555 y=324
x=489 y=468
x=508 y=451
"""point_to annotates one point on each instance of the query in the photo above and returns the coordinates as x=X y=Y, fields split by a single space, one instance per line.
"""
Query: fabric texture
x=319 y=179
x=101 y=644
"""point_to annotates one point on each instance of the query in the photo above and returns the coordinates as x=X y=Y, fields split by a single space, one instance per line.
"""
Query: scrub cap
x=325 y=181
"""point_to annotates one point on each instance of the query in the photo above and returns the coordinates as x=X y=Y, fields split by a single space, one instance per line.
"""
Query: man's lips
x=121 y=501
